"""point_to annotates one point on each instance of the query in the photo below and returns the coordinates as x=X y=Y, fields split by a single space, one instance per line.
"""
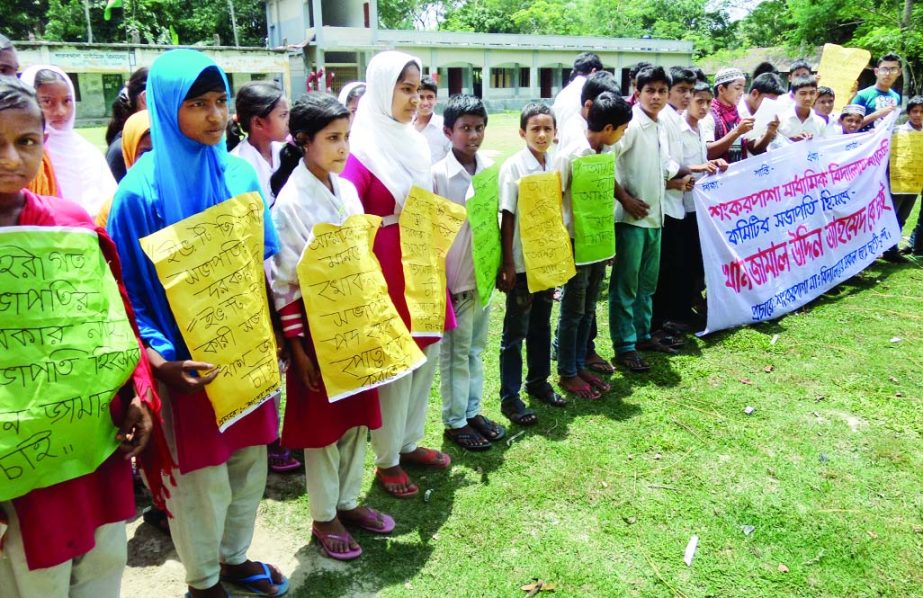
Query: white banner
x=780 y=229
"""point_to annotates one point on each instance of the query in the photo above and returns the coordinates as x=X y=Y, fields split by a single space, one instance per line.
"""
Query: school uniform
x=567 y=103
x=642 y=166
x=438 y=144
x=691 y=273
x=528 y=314
x=790 y=125
x=264 y=170
x=903 y=203
x=461 y=366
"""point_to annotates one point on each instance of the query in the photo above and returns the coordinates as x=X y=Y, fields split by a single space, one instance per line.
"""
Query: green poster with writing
x=66 y=347
x=592 y=191
x=483 y=215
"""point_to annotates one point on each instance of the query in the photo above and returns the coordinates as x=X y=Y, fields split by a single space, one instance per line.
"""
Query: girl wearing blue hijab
x=221 y=476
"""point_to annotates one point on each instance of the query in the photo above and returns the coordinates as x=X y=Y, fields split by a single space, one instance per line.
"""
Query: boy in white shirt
x=429 y=123
x=461 y=367
x=903 y=202
x=799 y=121
x=528 y=314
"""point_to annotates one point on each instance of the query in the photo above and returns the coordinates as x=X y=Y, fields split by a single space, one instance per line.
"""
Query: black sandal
x=157 y=519
x=633 y=361
x=490 y=430
x=517 y=412
x=468 y=439
x=548 y=396
x=657 y=346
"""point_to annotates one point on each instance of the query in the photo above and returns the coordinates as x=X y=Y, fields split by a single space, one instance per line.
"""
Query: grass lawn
x=817 y=493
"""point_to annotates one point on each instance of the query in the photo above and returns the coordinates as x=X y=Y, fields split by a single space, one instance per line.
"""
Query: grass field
x=817 y=493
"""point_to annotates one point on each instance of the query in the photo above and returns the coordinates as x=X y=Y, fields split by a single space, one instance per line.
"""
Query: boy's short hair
x=764 y=67
x=768 y=83
x=586 y=63
x=597 y=83
x=800 y=82
x=889 y=57
x=608 y=109
x=534 y=109
x=915 y=102
x=699 y=73
x=823 y=90
x=801 y=63
x=461 y=105
x=429 y=84
x=701 y=87
x=681 y=74
x=633 y=72
x=654 y=74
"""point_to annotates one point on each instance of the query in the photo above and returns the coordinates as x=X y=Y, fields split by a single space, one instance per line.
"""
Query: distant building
x=98 y=71
x=340 y=36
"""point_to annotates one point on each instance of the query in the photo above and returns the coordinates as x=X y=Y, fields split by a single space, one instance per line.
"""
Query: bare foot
x=576 y=385
x=334 y=526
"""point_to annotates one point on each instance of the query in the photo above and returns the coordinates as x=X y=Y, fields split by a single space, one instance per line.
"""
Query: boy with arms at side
x=880 y=99
x=607 y=119
x=461 y=367
x=429 y=123
x=799 y=121
x=904 y=201
x=527 y=314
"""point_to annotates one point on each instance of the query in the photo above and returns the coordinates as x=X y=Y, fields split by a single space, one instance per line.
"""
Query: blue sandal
x=248 y=583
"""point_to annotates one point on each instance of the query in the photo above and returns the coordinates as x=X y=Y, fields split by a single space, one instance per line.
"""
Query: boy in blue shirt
x=879 y=99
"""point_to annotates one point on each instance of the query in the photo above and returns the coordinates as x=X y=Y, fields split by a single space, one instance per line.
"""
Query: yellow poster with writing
x=546 y=247
x=211 y=267
x=839 y=70
x=906 y=162
x=360 y=340
x=429 y=224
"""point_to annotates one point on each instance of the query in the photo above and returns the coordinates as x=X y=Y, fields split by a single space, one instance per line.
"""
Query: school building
x=98 y=71
x=340 y=37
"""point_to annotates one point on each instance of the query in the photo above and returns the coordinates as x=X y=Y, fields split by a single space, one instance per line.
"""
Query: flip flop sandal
x=248 y=584
x=157 y=519
x=595 y=382
x=549 y=397
x=517 y=412
x=664 y=338
x=676 y=328
x=490 y=430
x=599 y=365
x=340 y=556
x=632 y=361
x=282 y=461
x=431 y=458
x=579 y=388
x=403 y=479
x=653 y=345
x=369 y=520
x=470 y=441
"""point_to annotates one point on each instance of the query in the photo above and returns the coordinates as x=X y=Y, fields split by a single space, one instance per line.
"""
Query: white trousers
x=403 y=411
x=94 y=574
x=333 y=474
x=214 y=514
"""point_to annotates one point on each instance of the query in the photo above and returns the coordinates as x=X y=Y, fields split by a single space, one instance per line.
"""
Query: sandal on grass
x=426 y=457
x=468 y=438
x=489 y=429
x=598 y=384
x=367 y=518
x=517 y=412
x=598 y=364
x=577 y=386
x=396 y=480
x=656 y=346
x=548 y=396
x=665 y=337
x=325 y=544
x=633 y=361
x=248 y=583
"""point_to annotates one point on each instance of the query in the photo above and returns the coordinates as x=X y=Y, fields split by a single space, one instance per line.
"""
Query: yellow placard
x=546 y=246
x=211 y=267
x=907 y=162
x=360 y=340
x=429 y=224
x=839 y=70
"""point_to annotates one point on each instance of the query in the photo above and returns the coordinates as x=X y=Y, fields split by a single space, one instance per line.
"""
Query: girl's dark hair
x=257 y=98
x=309 y=115
x=356 y=92
x=45 y=76
x=403 y=74
x=126 y=103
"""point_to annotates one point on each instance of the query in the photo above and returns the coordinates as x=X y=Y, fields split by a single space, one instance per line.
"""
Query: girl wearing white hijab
x=388 y=156
x=81 y=169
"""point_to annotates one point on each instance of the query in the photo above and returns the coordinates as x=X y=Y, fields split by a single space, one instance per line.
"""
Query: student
x=388 y=157
x=528 y=315
x=349 y=97
x=823 y=104
x=642 y=166
x=333 y=435
x=80 y=169
x=262 y=115
x=221 y=476
x=764 y=67
x=430 y=124
x=851 y=118
x=9 y=60
x=573 y=130
x=131 y=99
x=798 y=121
x=915 y=124
x=765 y=87
x=632 y=96
x=607 y=118
x=880 y=99
x=135 y=139
x=567 y=103
x=903 y=202
x=69 y=539
x=798 y=69
x=461 y=366
x=724 y=138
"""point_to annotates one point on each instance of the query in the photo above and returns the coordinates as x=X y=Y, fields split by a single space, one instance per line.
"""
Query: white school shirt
x=439 y=144
x=520 y=164
x=707 y=126
x=567 y=102
x=909 y=127
x=303 y=202
x=573 y=130
x=563 y=162
x=264 y=170
x=671 y=121
x=642 y=166
x=452 y=181
x=694 y=152
x=790 y=125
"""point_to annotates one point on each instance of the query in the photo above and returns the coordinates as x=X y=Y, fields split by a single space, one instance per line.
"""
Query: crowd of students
x=321 y=160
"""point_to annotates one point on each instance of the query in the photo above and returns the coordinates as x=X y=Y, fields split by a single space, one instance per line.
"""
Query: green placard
x=592 y=191
x=483 y=215
x=66 y=348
